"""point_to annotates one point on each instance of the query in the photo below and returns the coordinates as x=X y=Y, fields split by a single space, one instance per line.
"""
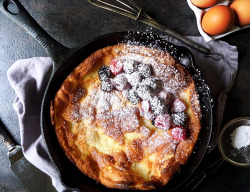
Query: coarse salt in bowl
x=234 y=142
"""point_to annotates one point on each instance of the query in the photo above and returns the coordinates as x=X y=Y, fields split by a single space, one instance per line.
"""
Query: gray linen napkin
x=28 y=77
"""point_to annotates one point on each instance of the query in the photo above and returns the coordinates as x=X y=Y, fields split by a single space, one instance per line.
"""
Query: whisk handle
x=187 y=41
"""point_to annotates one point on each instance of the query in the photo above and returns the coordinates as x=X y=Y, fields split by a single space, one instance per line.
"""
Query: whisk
x=130 y=9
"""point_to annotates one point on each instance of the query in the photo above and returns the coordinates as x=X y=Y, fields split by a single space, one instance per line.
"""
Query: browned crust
x=95 y=163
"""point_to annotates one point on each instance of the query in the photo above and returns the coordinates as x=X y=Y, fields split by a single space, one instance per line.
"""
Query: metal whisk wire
x=130 y=9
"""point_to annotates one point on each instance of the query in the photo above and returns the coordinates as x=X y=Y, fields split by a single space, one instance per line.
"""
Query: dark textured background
x=74 y=23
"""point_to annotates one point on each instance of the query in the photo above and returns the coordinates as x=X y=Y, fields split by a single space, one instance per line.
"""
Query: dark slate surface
x=74 y=23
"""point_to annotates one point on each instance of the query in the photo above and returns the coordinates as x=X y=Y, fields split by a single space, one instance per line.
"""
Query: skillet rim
x=103 y=41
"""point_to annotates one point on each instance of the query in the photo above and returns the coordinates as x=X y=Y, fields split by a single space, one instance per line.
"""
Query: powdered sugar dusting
x=121 y=133
x=107 y=108
x=173 y=79
x=116 y=123
x=159 y=140
x=115 y=115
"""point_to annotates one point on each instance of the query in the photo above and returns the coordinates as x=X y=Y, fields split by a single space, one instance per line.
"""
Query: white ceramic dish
x=200 y=12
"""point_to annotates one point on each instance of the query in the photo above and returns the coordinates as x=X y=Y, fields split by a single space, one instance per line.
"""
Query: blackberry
x=158 y=105
x=129 y=66
x=133 y=96
x=166 y=96
x=179 y=119
x=107 y=85
x=145 y=70
x=144 y=92
x=155 y=83
x=104 y=73
x=134 y=78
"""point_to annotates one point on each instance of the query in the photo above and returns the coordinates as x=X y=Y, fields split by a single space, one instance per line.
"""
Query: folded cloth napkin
x=29 y=77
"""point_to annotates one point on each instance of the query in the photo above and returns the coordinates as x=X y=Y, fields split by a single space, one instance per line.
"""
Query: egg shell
x=241 y=9
x=204 y=3
x=218 y=20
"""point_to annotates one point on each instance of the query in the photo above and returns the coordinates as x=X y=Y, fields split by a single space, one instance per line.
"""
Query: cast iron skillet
x=65 y=60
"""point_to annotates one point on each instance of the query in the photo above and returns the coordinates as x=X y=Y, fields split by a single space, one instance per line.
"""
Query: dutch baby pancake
x=128 y=116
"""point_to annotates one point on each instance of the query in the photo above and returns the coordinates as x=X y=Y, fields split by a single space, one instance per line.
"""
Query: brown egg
x=241 y=9
x=218 y=20
x=204 y=3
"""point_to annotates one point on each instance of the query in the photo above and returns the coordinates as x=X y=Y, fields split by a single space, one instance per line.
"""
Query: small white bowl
x=200 y=12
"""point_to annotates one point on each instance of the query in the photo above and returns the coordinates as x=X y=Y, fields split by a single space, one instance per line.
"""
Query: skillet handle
x=14 y=10
x=195 y=183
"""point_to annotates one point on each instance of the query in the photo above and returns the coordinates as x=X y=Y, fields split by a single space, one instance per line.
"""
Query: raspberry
x=145 y=70
x=116 y=66
x=120 y=81
x=104 y=73
x=178 y=106
x=179 y=118
x=107 y=85
x=179 y=133
x=129 y=66
x=163 y=122
x=158 y=105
